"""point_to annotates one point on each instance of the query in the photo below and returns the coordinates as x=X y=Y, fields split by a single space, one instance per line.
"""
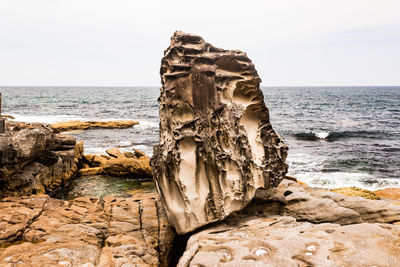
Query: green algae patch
x=356 y=192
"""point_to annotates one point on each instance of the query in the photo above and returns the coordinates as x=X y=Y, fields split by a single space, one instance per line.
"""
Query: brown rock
x=79 y=150
x=35 y=160
x=41 y=231
x=113 y=152
x=118 y=164
x=319 y=206
x=217 y=146
x=128 y=166
x=281 y=241
x=296 y=225
x=84 y=125
x=91 y=171
x=391 y=194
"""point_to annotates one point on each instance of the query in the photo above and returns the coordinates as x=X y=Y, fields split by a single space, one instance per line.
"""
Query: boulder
x=42 y=231
x=118 y=164
x=35 y=160
x=85 y=125
x=296 y=225
x=217 y=146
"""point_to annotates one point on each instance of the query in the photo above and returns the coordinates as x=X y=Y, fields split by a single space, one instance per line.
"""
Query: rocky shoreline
x=102 y=231
x=220 y=175
x=43 y=231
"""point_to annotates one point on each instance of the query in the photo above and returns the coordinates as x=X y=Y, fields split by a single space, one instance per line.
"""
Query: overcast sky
x=120 y=43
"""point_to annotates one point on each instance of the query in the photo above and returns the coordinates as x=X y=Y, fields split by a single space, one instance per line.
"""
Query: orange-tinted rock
x=41 y=231
x=91 y=171
x=391 y=194
x=84 y=125
x=115 y=153
x=118 y=164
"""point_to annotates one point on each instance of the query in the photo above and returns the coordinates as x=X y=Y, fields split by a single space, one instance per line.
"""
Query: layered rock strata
x=217 y=146
x=116 y=163
x=295 y=225
x=85 y=125
x=42 y=231
x=35 y=160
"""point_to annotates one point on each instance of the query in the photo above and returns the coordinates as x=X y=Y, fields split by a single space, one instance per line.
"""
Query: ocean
x=337 y=136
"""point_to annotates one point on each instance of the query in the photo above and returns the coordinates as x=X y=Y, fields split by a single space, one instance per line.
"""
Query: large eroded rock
x=217 y=146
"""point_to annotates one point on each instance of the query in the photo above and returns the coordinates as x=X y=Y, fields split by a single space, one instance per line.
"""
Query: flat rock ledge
x=85 y=125
x=296 y=225
x=217 y=146
x=117 y=163
x=42 y=231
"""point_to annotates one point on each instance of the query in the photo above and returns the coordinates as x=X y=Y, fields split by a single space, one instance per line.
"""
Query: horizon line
x=139 y=86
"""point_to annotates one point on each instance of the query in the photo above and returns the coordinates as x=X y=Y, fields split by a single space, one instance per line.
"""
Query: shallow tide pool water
x=103 y=185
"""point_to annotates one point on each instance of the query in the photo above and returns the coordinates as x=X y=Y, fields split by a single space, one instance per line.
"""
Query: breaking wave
x=332 y=136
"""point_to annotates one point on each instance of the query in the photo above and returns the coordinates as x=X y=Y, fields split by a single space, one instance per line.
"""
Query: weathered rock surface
x=390 y=194
x=84 y=125
x=35 y=160
x=118 y=164
x=216 y=143
x=42 y=231
x=295 y=225
x=281 y=241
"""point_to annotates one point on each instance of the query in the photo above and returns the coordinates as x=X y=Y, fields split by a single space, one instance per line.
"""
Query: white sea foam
x=124 y=143
x=146 y=124
x=322 y=135
x=45 y=118
x=59 y=118
x=345 y=179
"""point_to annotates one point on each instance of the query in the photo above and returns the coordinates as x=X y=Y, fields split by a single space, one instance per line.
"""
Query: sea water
x=337 y=136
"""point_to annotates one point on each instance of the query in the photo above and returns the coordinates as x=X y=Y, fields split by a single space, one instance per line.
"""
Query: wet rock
x=296 y=225
x=217 y=145
x=118 y=164
x=35 y=160
x=41 y=231
x=85 y=125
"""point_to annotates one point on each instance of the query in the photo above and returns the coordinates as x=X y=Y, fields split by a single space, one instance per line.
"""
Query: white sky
x=120 y=43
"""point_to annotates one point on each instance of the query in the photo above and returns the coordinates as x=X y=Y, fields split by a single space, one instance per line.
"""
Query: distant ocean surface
x=337 y=136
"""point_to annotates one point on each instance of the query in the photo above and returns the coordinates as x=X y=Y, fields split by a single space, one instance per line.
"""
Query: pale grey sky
x=121 y=42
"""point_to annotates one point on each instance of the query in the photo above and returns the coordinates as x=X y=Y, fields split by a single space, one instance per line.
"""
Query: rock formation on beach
x=85 y=125
x=88 y=231
x=217 y=146
x=35 y=160
x=296 y=225
x=117 y=163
